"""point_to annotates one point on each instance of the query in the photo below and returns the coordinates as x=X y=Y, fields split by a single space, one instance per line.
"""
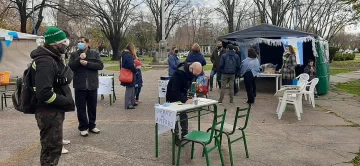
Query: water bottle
x=195 y=99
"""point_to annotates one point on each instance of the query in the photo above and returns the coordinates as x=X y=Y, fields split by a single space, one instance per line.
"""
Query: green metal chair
x=205 y=138
x=229 y=129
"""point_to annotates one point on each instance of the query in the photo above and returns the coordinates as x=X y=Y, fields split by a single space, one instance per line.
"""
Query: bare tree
x=25 y=13
x=227 y=10
x=113 y=17
x=176 y=10
x=274 y=11
x=326 y=18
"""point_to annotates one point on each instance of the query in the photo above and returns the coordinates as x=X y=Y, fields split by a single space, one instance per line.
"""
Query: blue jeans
x=137 y=92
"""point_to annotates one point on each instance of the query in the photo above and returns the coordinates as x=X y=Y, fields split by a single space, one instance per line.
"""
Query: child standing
x=311 y=70
x=138 y=81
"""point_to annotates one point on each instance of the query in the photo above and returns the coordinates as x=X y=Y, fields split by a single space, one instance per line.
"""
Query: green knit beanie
x=54 y=35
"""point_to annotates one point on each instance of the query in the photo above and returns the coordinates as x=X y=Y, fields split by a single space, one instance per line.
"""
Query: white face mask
x=139 y=67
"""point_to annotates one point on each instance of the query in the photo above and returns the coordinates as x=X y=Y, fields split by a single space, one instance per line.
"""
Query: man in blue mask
x=85 y=64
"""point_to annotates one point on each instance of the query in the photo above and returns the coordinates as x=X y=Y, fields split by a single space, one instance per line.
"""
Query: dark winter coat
x=45 y=71
x=138 y=78
x=127 y=62
x=86 y=77
x=173 y=62
x=196 y=57
x=179 y=84
x=215 y=58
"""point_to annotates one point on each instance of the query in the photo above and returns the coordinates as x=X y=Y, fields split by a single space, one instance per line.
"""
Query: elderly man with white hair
x=177 y=90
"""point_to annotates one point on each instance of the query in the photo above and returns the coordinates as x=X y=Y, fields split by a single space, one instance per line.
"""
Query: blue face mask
x=81 y=46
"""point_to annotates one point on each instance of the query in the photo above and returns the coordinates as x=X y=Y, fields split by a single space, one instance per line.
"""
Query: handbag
x=126 y=76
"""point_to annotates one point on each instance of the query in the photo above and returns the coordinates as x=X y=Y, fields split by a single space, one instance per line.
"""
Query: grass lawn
x=352 y=87
x=356 y=160
x=208 y=67
x=117 y=68
x=339 y=71
x=108 y=60
x=352 y=64
x=146 y=60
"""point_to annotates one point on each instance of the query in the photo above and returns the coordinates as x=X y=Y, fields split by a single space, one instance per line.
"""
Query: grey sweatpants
x=129 y=97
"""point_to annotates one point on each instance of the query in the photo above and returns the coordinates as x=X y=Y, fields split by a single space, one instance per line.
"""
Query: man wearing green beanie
x=51 y=79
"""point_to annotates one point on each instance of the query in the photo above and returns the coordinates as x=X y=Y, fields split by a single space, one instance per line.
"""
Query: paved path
x=345 y=77
x=127 y=136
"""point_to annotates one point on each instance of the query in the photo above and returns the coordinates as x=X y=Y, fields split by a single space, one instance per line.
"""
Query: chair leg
x=278 y=107
x=312 y=98
x=2 y=102
x=245 y=144
x=5 y=99
x=282 y=108
x=230 y=150
x=207 y=156
x=110 y=99
x=297 y=110
x=178 y=157
x=220 y=152
x=192 y=150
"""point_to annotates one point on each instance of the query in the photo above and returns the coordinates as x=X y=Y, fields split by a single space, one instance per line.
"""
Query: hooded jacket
x=195 y=56
x=86 y=77
x=177 y=88
x=50 y=80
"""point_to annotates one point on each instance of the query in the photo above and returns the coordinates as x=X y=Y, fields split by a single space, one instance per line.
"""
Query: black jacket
x=127 y=62
x=45 y=71
x=179 y=84
x=86 y=77
x=215 y=58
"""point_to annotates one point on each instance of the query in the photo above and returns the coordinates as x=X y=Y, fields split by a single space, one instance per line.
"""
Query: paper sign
x=162 y=87
x=105 y=85
x=166 y=119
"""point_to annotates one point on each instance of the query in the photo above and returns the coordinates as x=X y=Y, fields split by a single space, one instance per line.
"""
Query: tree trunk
x=115 y=44
x=23 y=20
x=231 y=24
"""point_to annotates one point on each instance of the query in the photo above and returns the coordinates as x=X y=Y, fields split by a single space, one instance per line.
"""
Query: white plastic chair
x=303 y=76
x=311 y=91
x=293 y=97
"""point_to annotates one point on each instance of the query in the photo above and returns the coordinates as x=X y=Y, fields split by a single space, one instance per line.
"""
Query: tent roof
x=265 y=31
x=4 y=32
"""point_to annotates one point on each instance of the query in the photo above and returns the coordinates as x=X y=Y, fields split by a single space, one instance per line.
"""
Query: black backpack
x=24 y=97
x=230 y=65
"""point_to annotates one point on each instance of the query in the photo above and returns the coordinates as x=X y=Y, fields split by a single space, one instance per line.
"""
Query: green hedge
x=344 y=57
x=332 y=53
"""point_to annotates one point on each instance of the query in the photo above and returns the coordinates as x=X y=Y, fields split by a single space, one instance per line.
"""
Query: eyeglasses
x=81 y=42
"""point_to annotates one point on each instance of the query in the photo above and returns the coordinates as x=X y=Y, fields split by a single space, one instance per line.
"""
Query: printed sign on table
x=162 y=87
x=105 y=85
x=166 y=119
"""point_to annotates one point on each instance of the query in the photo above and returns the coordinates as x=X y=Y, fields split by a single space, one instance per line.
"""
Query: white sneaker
x=95 y=130
x=64 y=151
x=84 y=133
x=66 y=142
